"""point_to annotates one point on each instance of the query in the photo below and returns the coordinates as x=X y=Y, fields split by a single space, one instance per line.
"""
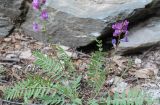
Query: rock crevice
x=12 y=12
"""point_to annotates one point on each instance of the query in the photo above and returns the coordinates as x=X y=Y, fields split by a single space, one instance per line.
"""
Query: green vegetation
x=59 y=83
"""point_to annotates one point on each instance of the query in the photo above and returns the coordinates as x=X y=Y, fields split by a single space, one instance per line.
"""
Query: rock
x=152 y=88
x=138 y=61
x=26 y=54
x=11 y=8
x=17 y=36
x=144 y=35
x=17 y=67
x=7 y=39
x=10 y=11
x=76 y=23
x=119 y=85
x=119 y=61
x=17 y=46
x=10 y=56
x=67 y=52
x=5 y=26
x=146 y=73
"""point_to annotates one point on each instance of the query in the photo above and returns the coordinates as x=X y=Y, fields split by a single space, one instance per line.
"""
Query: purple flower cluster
x=36 y=4
x=120 y=28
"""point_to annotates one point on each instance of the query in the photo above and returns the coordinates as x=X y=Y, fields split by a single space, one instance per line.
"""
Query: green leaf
x=77 y=101
x=93 y=102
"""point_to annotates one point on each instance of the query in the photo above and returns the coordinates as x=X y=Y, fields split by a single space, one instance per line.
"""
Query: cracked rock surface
x=74 y=23
x=9 y=11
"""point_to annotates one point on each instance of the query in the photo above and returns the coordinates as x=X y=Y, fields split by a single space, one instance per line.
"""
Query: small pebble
x=138 y=61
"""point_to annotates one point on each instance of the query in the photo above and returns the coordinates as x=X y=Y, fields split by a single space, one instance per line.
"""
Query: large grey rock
x=97 y=9
x=5 y=25
x=74 y=23
x=142 y=36
x=9 y=11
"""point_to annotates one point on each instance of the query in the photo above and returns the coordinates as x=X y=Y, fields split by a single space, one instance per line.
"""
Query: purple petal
x=126 y=22
x=35 y=27
x=44 y=15
x=126 y=33
x=35 y=4
x=113 y=26
x=117 y=26
x=125 y=25
x=117 y=33
x=113 y=41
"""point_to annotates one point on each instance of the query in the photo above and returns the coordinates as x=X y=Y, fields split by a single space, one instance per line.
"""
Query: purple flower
x=121 y=27
x=36 y=4
x=44 y=15
x=35 y=27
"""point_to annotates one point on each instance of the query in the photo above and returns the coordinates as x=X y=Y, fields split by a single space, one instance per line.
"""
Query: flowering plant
x=120 y=31
x=37 y=6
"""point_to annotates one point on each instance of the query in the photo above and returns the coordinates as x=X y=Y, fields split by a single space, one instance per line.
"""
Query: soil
x=14 y=47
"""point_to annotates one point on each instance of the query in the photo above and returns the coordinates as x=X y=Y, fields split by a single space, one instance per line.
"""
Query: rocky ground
x=73 y=23
x=132 y=71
